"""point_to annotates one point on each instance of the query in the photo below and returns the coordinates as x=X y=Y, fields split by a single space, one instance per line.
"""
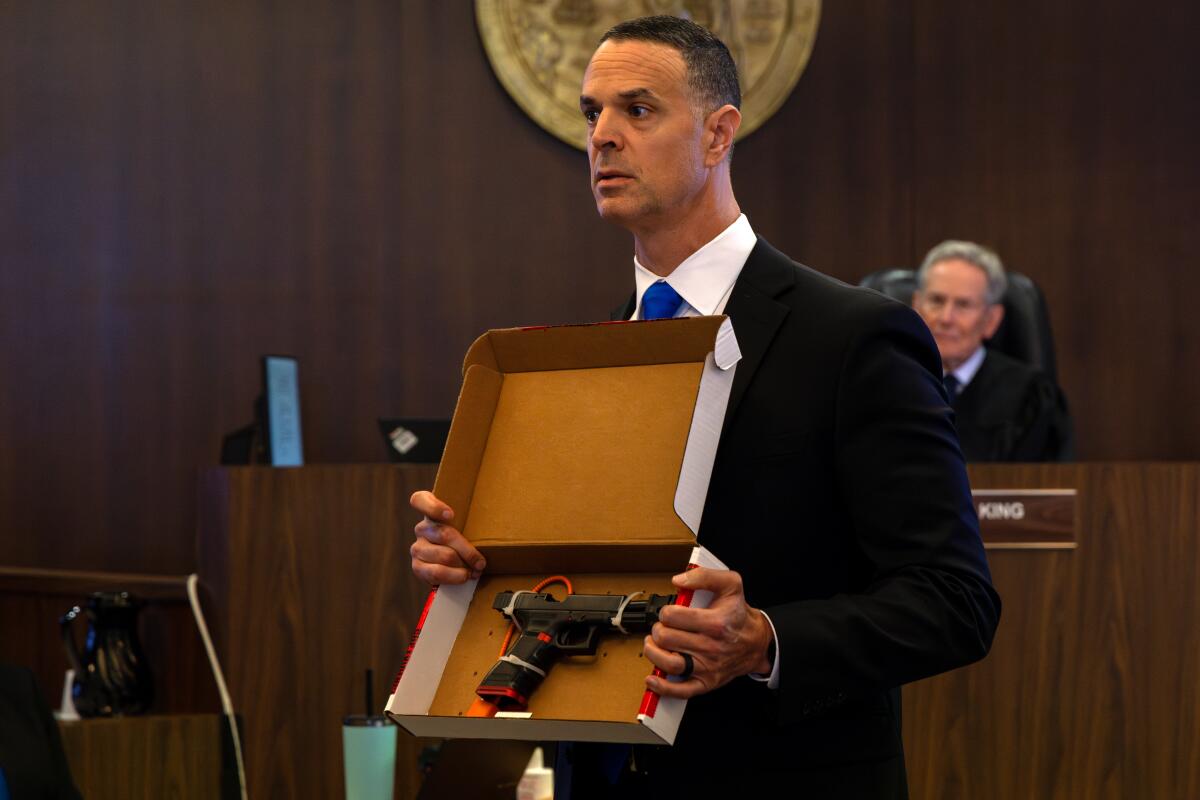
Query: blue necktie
x=660 y=301
x=951 y=383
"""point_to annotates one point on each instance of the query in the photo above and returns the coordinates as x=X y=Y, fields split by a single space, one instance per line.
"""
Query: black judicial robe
x=1012 y=412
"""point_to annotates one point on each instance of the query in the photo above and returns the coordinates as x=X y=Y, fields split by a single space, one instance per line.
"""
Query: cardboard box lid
x=588 y=434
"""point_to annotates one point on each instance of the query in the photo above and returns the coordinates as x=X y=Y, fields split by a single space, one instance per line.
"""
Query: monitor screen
x=281 y=382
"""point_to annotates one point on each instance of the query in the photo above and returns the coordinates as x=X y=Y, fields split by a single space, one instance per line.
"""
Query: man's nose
x=606 y=133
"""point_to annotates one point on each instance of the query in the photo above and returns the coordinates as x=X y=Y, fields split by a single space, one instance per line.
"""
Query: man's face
x=954 y=306
x=644 y=137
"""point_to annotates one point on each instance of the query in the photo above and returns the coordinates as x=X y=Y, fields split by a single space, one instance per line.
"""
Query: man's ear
x=992 y=318
x=721 y=126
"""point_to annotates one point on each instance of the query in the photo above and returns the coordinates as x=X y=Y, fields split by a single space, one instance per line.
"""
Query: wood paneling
x=185 y=757
x=1063 y=134
x=35 y=580
x=33 y=600
x=1089 y=689
x=184 y=186
x=187 y=185
x=310 y=584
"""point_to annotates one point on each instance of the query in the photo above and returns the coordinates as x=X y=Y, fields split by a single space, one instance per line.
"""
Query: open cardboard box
x=584 y=451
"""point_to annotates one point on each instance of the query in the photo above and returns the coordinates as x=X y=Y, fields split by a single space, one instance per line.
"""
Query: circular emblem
x=540 y=49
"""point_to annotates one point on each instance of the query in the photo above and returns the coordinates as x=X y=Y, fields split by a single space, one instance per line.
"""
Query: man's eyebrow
x=628 y=94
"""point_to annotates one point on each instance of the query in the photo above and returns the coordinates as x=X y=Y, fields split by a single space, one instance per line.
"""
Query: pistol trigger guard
x=587 y=647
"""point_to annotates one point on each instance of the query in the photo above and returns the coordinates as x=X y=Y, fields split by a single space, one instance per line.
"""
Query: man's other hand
x=441 y=554
x=726 y=640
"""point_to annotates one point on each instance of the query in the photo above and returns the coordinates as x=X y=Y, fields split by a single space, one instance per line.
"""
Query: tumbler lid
x=363 y=721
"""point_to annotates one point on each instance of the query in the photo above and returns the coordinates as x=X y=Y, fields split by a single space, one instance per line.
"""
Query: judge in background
x=1005 y=410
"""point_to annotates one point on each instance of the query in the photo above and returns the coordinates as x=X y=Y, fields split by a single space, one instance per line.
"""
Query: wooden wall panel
x=187 y=185
x=308 y=571
x=1063 y=134
x=1089 y=689
x=829 y=179
x=32 y=601
x=185 y=757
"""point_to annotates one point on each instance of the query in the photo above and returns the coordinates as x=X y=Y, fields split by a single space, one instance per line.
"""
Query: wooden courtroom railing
x=1088 y=692
x=1090 y=688
x=181 y=756
x=32 y=599
x=308 y=583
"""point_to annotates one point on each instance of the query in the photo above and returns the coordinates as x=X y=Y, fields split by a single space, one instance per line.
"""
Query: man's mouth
x=611 y=176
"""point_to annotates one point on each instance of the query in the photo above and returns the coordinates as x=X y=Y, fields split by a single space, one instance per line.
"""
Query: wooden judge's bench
x=1089 y=691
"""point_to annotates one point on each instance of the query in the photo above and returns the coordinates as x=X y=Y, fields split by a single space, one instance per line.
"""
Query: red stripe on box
x=412 y=642
x=650 y=698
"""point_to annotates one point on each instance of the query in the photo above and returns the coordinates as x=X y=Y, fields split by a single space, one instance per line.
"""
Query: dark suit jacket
x=1012 y=412
x=31 y=752
x=840 y=494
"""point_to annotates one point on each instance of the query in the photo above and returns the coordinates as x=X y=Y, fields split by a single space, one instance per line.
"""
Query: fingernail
x=480 y=565
x=680 y=580
x=475 y=575
x=447 y=514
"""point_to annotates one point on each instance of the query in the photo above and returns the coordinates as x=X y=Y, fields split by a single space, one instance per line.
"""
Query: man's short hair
x=976 y=254
x=711 y=73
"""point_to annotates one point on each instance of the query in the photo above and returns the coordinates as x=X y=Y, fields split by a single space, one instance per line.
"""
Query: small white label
x=403 y=440
x=994 y=510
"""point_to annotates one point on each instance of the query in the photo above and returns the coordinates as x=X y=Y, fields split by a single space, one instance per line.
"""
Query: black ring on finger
x=688 y=666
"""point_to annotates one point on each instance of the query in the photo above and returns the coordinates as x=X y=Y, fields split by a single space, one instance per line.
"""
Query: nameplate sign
x=1026 y=519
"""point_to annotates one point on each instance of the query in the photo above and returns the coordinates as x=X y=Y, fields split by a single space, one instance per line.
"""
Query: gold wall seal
x=540 y=48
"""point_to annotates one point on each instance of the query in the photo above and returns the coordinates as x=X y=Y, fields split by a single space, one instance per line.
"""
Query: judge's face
x=644 y=136
x=954 y=305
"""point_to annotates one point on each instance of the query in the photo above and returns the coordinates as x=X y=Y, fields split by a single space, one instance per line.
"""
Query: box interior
x=539 y=465
x=606 y=687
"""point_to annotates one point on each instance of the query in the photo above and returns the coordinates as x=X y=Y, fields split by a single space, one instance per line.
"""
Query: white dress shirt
x=966 y=370
x=705 y=280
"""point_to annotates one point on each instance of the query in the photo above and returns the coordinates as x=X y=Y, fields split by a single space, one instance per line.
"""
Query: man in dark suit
x=838 y=498
x=1004 y=410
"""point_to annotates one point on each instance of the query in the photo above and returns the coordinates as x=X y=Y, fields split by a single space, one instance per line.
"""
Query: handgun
x=550 y=629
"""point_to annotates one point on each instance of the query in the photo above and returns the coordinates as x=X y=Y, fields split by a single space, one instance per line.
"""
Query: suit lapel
x=754 y=309
x=756 y=313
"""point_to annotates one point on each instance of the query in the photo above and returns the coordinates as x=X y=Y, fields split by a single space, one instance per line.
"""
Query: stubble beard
x=629 y=210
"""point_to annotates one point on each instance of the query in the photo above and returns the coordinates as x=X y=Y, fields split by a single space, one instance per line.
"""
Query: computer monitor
x=275 y=435
x=281 y=393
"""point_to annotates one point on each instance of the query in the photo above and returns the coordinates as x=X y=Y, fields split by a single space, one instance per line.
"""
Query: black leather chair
x=1025 y=332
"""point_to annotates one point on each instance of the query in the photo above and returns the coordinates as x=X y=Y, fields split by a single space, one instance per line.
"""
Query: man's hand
x=726 y=640
x=441 y=554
